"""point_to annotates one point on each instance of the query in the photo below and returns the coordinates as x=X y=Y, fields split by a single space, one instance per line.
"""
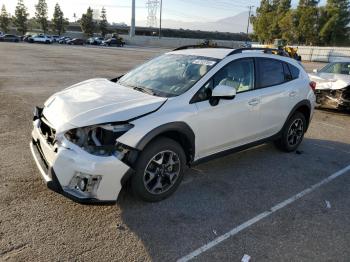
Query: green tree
x=59 y=23
x=334 y=22
x=20 y=19
x=4 y=19
x=41 y=15
x=262 y=21
x=287 y=25
x=103 y=22
x=87 y=23
x=307 y=21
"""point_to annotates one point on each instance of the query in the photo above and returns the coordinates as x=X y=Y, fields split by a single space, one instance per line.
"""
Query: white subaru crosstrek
x=175 y=110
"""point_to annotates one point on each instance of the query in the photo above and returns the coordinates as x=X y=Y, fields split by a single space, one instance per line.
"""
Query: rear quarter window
x=294 y=71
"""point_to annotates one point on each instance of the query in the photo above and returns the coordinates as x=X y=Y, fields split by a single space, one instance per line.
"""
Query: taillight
x=313 y=85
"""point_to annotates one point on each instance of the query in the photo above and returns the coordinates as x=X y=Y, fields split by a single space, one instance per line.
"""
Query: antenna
x=152 y=6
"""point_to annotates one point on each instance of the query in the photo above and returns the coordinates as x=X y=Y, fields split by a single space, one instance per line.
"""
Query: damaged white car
x=333 y=85
x=178 y=109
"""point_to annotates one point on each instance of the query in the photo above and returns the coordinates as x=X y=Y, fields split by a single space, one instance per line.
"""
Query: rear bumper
x=58 y=166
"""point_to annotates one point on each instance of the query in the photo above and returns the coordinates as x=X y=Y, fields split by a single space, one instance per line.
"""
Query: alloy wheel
x=295 y=132
x=161 y=172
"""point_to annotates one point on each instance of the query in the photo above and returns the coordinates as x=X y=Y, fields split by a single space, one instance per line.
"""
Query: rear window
x=270 y=72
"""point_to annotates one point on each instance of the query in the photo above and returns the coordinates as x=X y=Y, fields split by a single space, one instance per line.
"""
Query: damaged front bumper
x=73 y=172
x=333 y=98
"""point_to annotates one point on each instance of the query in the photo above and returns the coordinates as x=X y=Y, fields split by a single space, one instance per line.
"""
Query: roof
x=218 y=53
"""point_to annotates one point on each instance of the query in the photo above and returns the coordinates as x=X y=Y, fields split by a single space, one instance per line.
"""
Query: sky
x=120 y=10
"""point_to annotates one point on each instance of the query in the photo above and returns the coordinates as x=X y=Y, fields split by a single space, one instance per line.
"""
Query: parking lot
x=215 y=198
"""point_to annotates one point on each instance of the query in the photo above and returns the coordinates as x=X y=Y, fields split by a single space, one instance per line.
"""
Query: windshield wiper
x=144 y=90
x=139 y=88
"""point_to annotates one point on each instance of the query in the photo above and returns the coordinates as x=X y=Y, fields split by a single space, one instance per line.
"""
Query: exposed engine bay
x=334 y=98
x=100 y=140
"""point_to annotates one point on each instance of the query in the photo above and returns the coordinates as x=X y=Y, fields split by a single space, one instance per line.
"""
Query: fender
x=181 y=127
x=304 y=102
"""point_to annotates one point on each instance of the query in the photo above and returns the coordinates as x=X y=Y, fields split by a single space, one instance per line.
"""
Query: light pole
x=250 y=9
x=132 y=26
x=160 y=19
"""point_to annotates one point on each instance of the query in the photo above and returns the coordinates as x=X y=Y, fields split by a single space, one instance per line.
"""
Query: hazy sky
x=119 y=10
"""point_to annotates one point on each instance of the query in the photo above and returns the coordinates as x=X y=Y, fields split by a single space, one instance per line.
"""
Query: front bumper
x=58 y=165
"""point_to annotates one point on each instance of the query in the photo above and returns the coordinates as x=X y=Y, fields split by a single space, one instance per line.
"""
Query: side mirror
x=315 y=70
x=222 y=92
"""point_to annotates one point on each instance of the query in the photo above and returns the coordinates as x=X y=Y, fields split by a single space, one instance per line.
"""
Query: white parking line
x=267 y=213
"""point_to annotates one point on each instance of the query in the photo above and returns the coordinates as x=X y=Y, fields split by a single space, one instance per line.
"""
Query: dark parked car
x=113 y=42
x=94 y=40
x=64 y=39
x=76 y=41
x=9 y=38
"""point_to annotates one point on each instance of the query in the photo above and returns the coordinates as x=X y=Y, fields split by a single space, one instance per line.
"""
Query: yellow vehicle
x=281 y=44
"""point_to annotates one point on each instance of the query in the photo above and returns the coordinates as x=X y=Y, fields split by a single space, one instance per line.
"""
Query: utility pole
x=250 y=10
x=160 y=19
x=132 y=26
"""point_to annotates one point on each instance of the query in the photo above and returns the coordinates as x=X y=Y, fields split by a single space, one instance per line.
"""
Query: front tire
x=292 y=133
x=159 y=170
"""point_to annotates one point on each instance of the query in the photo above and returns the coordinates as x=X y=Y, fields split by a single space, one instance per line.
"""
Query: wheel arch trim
x=300 y=104
x=179 y=127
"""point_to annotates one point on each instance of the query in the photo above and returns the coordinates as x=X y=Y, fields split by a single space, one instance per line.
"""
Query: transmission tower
x=152 y=6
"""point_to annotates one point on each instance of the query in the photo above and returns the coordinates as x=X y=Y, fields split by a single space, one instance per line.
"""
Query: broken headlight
x=100 y=140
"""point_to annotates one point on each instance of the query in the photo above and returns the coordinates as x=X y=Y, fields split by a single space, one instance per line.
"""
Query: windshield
x=337 y=68
x=169 y=74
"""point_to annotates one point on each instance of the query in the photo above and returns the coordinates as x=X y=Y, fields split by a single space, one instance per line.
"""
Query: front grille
x=47 y=131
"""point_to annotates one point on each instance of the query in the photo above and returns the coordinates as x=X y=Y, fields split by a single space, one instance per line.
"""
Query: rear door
x=277 y=94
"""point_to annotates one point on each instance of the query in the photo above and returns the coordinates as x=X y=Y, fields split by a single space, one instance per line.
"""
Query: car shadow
x=219 y=195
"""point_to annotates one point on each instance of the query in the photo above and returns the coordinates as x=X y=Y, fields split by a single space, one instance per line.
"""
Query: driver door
x=232 y=122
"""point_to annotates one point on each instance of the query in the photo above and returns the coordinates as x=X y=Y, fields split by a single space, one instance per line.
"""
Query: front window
x=168 y=75
x=337 y=68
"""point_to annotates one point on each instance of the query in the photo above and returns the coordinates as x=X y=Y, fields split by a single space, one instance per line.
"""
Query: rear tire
x=292 y=133
x=158 y=170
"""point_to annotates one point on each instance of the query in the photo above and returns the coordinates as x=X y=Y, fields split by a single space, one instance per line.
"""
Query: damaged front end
x=333 y=98
x=86 y=164
x=101 y=140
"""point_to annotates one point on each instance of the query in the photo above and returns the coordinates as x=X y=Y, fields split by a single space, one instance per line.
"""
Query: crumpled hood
x=97 y=101
x=330 y=81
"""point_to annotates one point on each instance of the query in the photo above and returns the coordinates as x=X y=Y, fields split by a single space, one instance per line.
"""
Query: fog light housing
x=85 y=184
x=82 y=183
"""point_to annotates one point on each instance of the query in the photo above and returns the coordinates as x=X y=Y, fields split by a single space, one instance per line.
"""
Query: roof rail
x=199 y=46
x=265 y=50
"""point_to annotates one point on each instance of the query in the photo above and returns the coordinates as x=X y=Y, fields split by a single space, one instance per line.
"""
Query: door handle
x=254 y=102
x=292 y=94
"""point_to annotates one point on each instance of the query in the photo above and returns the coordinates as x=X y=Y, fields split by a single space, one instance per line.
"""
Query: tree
x=335 y=18
x=59 y=23
x=103 y=22
x=87 y=23
x=41 y=15
x=262 y=21
x=4 y=19
x=307 y=21
x=20 y=19
x=287 y=25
